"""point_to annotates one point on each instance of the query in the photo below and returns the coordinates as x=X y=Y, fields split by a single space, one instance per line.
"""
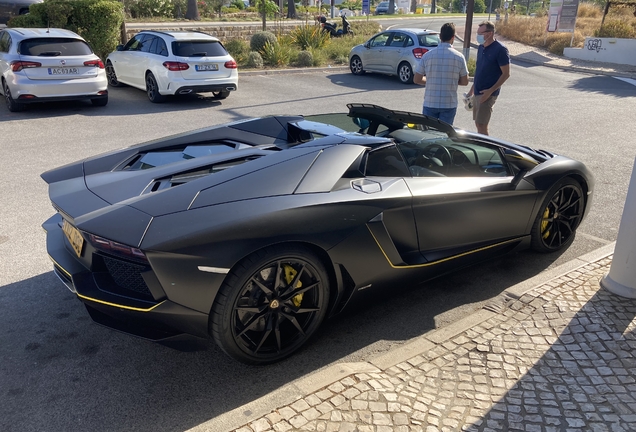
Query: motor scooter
x=332 y=29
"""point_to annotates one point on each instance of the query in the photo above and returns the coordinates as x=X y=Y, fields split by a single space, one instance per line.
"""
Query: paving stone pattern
x=560 y=358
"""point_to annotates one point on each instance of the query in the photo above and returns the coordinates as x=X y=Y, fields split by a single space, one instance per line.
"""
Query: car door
x=394 y=51
x=463 y=198
x=373 y=59
x=129 y=64
x=5 y=44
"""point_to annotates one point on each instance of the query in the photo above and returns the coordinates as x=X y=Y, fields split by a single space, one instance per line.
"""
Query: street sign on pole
x=366 y=7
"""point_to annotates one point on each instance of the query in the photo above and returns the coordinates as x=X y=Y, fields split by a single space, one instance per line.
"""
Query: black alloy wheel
x=152 y=89
x=405 y=73
x=12 y=105
x=559 y=217
x=111 y=75
x=356 y=66
x=270 y=304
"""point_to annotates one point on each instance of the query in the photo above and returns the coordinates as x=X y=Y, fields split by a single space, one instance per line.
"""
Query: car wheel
x=152 y=89
x=103 y=101
x=220 y=94
x=270 y=304
x=405 y=73
x=355 y=64
x=12 y=105
x=559 y=217
x=111 y=75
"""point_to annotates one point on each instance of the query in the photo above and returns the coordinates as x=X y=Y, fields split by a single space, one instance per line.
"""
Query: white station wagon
x=43 y=65
x=173 y=63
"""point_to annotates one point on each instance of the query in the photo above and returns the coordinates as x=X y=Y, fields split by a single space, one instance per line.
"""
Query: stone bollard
x=621 y=279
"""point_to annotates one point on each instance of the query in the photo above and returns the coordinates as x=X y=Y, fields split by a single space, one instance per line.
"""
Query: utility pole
x=470 y=7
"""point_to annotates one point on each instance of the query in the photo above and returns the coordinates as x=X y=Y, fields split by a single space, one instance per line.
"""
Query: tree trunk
x=264 y=14
x=193 y=11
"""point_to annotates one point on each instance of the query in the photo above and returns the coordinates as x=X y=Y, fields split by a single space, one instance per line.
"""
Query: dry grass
x=532 y=30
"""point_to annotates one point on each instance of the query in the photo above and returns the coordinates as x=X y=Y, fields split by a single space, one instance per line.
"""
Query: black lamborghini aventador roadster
x=253 y=232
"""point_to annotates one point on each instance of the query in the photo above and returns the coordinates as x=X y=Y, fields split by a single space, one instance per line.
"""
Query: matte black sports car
x=253 y=232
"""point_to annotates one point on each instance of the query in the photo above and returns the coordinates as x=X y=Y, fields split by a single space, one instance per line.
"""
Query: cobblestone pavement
x=562 y=357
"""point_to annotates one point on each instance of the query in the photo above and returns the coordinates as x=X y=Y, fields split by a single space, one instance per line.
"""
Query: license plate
x=64 y=71
x=74 y=237
x=207 y=67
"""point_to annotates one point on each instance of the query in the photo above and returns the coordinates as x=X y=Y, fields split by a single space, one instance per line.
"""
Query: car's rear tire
x=152 y=89
x=111 y=75
x=103 y=101
x=559 y=217
x=12 y=105
x=270 y=304
x=355 y=64
x=405 y=73
x=223 y=94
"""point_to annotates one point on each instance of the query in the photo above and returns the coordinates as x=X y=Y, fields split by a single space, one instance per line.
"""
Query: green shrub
x=239 y=49
x=615 y=28
x=150 y=8
x=306 y=36
x=472 y=65
x=275 y=54
x=97 y=21
x=254 y=60
x=238 y=4
x=305 y=59
x=258 y=40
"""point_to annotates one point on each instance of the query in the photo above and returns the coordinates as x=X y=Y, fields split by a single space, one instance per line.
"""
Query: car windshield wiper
x=50 y=53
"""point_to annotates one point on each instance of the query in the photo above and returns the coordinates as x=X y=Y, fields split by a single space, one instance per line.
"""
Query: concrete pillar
x=621 y=279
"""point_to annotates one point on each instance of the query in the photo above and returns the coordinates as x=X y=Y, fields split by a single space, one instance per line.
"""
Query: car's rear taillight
x=98 y=63
x=231 y=64
x=115 y=248
x=176 y=66
x=17 y=66
x=419 y=52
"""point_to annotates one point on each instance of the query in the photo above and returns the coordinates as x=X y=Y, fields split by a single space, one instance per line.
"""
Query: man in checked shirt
x=441 y=70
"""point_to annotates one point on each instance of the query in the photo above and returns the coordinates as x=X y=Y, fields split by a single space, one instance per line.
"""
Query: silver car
x=393 y=52
x=43 y=65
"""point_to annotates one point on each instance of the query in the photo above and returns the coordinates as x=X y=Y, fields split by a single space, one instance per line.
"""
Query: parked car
x=11 y=8
x=44 y=65
x=173 y=63
x=393 y=52
x=382 y=8
x=253 y=232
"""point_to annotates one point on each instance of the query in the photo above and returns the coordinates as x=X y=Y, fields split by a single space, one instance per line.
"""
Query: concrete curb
x=323 y=378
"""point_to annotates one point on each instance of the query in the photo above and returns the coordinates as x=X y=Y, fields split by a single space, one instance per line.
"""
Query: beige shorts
x=482 y=112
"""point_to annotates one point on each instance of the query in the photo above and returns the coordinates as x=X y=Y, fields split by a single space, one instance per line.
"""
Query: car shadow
x=372 y=82
x=122 y=101
x=604 y=85
x=56 y=360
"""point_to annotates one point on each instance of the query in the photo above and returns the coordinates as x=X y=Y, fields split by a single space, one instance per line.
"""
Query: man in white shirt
x=441 y=70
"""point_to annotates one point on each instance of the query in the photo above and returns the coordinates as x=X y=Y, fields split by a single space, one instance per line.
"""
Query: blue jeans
x=444 y=114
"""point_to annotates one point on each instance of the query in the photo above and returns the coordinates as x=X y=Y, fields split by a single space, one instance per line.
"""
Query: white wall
x=606 y=50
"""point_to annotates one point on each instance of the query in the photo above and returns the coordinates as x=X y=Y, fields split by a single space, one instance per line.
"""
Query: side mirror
x=366 y=45
x=119 y=48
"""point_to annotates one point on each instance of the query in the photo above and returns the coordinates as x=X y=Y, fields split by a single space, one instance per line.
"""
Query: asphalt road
x=61 y=372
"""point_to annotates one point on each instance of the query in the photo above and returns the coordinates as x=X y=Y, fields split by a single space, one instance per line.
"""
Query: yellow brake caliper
x=544 y=223
x=290 y=274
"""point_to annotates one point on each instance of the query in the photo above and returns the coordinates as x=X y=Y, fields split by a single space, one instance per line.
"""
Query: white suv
x=41 y=65
x=173 y=63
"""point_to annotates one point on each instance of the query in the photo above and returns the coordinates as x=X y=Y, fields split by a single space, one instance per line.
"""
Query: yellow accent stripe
x=102 y=301
x=438 y=261
x=118 y=305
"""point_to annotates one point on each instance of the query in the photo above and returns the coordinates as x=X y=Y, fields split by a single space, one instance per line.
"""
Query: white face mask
x=481 y=39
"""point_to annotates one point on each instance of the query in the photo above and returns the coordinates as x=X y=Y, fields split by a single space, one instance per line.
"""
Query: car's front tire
x=405 y=73
x=111 y=75
x=152 y=89
x=559 y=217
x=12 y=105
x=355 y=64
x=270 y=304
